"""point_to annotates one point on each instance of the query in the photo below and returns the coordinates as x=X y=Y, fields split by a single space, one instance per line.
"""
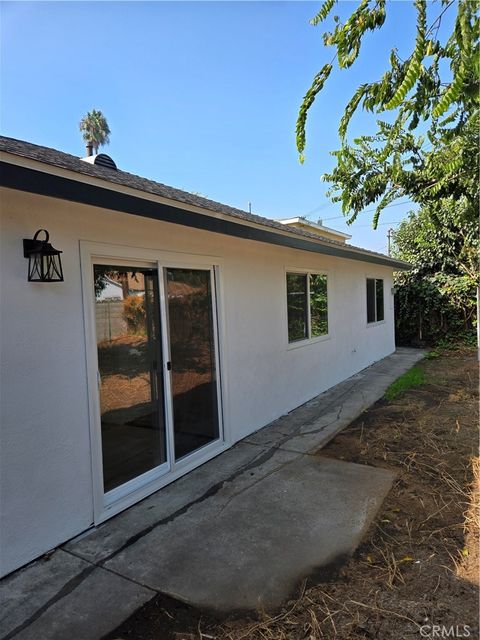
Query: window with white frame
x=307 y=306
x=375 y=310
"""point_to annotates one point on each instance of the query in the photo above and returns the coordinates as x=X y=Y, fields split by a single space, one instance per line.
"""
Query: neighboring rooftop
x=312 y=239
x=318 y=228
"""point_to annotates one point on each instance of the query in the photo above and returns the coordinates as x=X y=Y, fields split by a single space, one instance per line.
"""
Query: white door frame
x=107 y=505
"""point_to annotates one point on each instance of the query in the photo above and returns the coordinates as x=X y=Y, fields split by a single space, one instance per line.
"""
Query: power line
x=319 y=208
x=359 y=226
x=397 y=204
x=327 y=204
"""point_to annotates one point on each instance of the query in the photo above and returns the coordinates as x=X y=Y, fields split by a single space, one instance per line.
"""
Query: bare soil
x=419 y=563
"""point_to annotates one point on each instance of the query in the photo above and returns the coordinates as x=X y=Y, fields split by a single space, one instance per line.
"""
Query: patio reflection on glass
x=129 y=357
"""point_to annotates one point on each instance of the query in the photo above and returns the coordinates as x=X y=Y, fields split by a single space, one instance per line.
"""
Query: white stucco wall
x=45 y=464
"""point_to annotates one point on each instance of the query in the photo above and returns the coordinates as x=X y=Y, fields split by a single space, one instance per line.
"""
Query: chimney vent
x=89 y=147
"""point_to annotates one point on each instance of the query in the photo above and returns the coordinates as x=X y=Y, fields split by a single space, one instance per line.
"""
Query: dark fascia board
x=21 y=178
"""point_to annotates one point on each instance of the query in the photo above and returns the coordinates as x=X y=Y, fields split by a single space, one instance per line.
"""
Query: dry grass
x=469 y=565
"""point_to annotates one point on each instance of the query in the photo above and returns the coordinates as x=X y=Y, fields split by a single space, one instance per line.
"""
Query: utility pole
x=389 y=236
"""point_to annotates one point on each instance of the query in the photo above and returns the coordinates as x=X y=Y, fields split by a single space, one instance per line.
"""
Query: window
x=375 y=311
x=307 y=306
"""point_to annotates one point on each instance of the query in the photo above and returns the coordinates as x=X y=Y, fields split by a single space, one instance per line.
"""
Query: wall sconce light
x=44 y=264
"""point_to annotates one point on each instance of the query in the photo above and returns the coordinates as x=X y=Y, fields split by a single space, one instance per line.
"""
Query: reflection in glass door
x=190 y=315
x=129 y=366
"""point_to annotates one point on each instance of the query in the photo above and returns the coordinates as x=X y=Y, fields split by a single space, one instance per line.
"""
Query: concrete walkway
x=240 y=532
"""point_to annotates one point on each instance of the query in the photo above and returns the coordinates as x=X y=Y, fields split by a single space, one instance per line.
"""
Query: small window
x=375 y=311
x=307 y=306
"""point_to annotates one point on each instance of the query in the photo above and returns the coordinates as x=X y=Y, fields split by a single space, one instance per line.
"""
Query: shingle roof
x=63 y=160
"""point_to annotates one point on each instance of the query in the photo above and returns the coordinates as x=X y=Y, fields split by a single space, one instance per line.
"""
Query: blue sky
x=198 y=95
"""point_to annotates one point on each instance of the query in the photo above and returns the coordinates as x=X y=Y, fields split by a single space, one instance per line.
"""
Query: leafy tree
x=442 y=239
x=428 y=153
x=436 y=299
x=434 y=90
x=95 y=129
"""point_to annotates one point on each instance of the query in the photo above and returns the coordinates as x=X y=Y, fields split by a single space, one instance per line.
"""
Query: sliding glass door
x=193 y=363
x=157 y=381
x=130 y=382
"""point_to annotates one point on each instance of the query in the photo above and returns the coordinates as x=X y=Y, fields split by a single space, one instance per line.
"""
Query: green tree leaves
x=351 y=108
x=414 y=66
x=436 y=299
x=439 y=78
x=325 y=9
x=308 y=100
x=463 y=38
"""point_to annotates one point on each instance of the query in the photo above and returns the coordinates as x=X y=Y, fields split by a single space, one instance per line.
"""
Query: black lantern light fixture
x=44 y=264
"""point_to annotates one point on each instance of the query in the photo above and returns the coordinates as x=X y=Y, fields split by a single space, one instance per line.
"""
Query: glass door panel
x=192 y=352
x=129 y=363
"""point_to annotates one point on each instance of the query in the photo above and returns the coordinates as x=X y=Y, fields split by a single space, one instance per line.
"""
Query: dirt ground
x=416 y=573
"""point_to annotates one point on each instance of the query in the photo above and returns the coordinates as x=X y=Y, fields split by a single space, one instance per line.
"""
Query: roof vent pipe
x=89 y=146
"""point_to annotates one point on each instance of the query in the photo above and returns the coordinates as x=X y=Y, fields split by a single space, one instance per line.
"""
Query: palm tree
x=95 y=129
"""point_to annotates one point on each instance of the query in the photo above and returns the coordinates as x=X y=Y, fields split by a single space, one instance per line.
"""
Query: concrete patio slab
x=100 y=543
x=249 y=546
x=238 y=532
x=25 y=591
x=66 y=597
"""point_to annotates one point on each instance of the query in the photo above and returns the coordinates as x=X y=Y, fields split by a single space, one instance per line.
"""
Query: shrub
x=134 y=313
x=431 y=309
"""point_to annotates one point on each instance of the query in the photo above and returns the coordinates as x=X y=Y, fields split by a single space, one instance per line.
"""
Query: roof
x=314 y=225
x=233 y=222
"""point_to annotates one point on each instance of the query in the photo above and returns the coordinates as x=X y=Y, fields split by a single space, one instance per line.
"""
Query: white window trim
x=375 y=323
x=297 y=344
x=107 y=505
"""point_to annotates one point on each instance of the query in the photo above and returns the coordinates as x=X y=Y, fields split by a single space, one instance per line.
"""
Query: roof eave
x=32 y=181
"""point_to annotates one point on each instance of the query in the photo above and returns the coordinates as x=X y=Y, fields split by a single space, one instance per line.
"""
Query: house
x=318 y=228
x=181 y=326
